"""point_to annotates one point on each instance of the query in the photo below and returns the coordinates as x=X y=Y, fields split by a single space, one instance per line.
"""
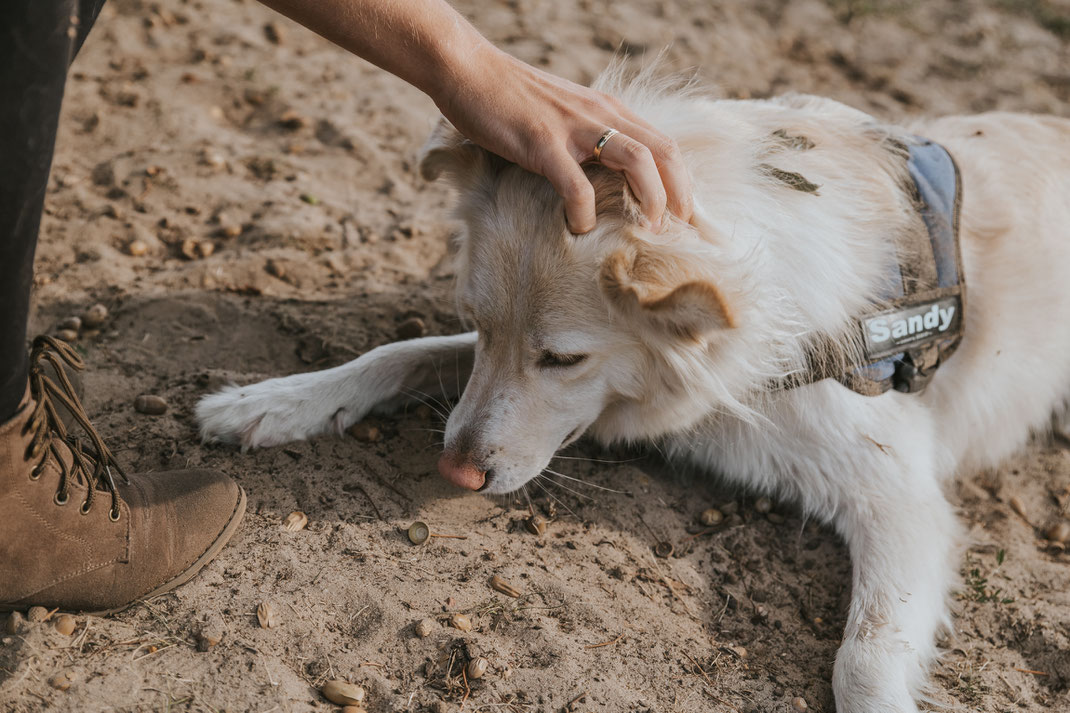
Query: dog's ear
x=663 y=290
x=447 y=151
x=613 y=196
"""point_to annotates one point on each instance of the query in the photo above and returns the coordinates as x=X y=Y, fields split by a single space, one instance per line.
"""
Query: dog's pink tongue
x=460 y=472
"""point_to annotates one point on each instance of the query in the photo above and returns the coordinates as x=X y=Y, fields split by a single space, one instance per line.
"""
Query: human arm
x=545 y=124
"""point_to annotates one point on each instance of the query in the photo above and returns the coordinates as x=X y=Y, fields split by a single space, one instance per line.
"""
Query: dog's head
x=574 y=331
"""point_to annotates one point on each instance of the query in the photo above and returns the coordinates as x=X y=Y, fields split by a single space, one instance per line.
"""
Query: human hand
x=549 y=125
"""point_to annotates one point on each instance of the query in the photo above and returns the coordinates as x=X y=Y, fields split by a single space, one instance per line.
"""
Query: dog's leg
x=901 y=532
x=303 y=405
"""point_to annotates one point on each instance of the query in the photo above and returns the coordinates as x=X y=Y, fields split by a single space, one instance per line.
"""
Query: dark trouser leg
x=38 y=41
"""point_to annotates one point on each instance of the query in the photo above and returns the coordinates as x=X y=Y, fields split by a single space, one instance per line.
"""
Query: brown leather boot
x=75 y=532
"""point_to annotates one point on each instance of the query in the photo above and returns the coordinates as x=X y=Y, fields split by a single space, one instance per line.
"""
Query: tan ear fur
x=446 y=151
x=613 y=195
x=663 y=290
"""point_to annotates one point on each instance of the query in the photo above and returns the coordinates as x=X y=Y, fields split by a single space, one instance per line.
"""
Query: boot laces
x=91 y=462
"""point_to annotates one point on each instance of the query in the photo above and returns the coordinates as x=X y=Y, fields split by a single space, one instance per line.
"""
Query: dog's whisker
x=598 y=460
x=577 y=493
x=524 y=490
x=584 y=482
x=553 y=497
x=457 y=371
x=429 y=401
x=441 y=386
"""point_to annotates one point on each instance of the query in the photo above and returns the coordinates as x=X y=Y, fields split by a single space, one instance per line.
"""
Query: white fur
x=789 y=265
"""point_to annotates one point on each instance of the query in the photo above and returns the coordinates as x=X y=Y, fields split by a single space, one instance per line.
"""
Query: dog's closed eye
x=550 y=360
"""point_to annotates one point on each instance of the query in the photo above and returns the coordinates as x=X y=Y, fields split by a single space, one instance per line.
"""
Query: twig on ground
x=605 y=643
x=1029 y=670
x=700 y=669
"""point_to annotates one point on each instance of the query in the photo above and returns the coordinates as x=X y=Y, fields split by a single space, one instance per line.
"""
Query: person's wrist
x=463 y=70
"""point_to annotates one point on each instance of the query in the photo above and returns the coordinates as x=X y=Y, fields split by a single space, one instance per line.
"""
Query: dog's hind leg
x=297 y=407
x=901 y=532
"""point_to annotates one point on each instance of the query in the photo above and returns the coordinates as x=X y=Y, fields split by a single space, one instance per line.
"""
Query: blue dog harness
x=919 y=322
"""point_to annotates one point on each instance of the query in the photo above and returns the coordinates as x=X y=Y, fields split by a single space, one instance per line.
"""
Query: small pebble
x=292 y=120
x=343 y=693
x=150 y=405
x=137 y=247
x=189 y=249
x=799 y=703
x=711 y=517
x=72 y=323
x=213 y=160
x=274 y=33
x=295 y=521
x=461 y=622
x=477 y=667
x=424 y=627
x=366 y=432
x=231 y=231
x=775 y=518
x=65 y=624
x=763 y=505
x=37 y=614
x=205 y=248
x=61 y=681
x=1059 y=532
x=1018 y=506
x=411 y=328
x=15 y=623
x=67 y=335
x=276 y=269
x=209 y=635
x=353 y=709
x=95 y=316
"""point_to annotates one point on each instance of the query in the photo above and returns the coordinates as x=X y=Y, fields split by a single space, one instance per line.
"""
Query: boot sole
x=199 y=564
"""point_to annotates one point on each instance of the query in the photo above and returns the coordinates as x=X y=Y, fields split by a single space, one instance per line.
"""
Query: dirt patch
x=283 y=226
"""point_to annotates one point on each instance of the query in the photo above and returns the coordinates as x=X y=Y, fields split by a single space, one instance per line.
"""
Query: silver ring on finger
x=602 y=141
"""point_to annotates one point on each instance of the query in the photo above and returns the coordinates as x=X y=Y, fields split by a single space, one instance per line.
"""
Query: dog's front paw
x=267 y=414
x=876 y=675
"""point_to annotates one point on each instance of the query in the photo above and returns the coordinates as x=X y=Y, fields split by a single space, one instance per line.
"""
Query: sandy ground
x=187 y=130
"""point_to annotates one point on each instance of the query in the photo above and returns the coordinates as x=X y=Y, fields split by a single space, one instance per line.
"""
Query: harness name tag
x=901 y=328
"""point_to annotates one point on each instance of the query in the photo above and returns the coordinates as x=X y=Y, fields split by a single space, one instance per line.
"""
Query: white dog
x=702 y=338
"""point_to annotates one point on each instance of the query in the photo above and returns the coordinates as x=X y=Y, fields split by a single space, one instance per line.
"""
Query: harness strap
x=919 y=322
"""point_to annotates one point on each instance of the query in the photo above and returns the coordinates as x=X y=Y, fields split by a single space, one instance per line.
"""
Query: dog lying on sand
x=703 y=338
